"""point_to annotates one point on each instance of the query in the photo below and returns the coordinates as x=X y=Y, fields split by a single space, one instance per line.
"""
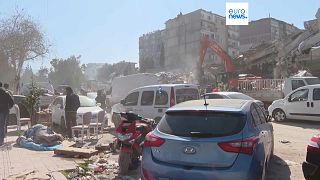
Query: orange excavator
x=205 y=44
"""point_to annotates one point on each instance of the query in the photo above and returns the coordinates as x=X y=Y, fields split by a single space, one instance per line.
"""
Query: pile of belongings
x=40 y=138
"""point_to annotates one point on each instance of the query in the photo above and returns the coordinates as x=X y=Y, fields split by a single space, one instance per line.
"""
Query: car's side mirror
x=122 y=102
x=98 y=104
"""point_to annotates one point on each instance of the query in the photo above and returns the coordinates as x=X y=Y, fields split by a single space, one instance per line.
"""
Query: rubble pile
x=174 y=77
x=96 y=166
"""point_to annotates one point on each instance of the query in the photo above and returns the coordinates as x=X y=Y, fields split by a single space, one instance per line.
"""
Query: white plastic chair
x=21 y=120
x=84 y=127
x=98 y=125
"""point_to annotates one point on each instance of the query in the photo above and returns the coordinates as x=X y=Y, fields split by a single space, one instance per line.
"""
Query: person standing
x=101 y=98
x=6 y=88
x=6 y=103
x=72 y=105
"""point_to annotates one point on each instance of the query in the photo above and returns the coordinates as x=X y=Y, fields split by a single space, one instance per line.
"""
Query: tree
x=6 y=70
x=27 y=76
x=66 y=72
x=32 y=100
x=21 y=40
x=42 y=75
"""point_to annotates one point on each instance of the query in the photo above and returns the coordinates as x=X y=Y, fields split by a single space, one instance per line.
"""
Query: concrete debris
x=175 y=78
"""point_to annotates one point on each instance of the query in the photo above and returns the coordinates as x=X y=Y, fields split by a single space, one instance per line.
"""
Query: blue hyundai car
x=212 y=139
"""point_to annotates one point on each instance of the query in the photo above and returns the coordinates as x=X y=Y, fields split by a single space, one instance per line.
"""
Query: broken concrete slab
x=76 y=152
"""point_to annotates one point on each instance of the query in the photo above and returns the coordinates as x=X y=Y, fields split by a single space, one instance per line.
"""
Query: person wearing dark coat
x=101 y=98
x=6 y=103
x=72 y=105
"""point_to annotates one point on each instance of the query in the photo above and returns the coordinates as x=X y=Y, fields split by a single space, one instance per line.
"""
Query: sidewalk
x=15 y=160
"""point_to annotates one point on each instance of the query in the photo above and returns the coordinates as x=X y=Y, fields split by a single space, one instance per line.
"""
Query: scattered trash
x=285 y=141
x=102 y=147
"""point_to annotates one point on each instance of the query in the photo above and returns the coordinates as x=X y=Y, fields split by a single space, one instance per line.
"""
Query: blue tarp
x=37 y=147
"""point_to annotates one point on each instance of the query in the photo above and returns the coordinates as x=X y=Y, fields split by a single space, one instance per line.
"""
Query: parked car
x=92 y=95
x=152 y=101
x=311 y=166
x=48 y=93
x=225 y=139
x=86 y=105
x=232 y=95
x=302 y=103
x=18 y=99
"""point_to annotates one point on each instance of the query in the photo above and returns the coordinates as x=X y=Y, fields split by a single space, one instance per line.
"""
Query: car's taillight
x=172 y=99
x=146 y=174
x=313 y=146
x=245 y=146
x=153 y=141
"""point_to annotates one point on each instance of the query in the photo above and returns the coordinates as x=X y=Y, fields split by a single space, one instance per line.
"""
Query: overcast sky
x=107 y=31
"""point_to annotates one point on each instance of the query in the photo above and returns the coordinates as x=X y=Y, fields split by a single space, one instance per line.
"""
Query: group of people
x=6 y=103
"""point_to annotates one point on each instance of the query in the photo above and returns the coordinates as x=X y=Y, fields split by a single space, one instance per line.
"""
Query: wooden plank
x=76 y=152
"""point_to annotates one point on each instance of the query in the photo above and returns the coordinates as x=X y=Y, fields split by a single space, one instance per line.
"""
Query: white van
x=302 y=103
x=153 y=101
x=124 y=84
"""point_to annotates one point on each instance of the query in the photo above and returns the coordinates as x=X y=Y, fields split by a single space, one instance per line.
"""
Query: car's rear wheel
x=279 y=115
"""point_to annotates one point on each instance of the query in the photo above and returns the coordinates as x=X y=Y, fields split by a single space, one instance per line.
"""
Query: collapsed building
x=285 y=56
x=176 y=48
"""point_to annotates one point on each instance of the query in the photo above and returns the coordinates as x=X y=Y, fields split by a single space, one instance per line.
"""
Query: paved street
x=289 y=156
x=18 y=160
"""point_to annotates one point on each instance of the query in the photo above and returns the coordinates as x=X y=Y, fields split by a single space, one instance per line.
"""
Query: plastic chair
x=98 y=125
x=21 y=120
x=84 y=127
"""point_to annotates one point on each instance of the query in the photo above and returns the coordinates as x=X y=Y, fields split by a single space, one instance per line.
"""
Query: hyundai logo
x=189 y=150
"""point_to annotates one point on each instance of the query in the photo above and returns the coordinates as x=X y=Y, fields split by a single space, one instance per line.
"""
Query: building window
x=209 y=17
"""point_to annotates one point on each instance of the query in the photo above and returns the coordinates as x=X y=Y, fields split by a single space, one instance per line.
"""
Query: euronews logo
x=237 y=14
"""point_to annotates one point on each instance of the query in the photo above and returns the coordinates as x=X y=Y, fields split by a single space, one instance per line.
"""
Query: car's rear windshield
x=201 y=124
x=186 y=94
x=312 y=81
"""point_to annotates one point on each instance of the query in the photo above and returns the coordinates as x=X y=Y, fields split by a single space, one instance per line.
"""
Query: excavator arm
x=205 y=44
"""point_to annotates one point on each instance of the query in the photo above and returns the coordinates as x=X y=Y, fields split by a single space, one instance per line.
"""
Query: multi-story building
x=181 y=40
x=264 y=30
x=151 y=50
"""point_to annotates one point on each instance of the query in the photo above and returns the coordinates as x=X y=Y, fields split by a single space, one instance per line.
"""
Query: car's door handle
x=308 y=104
x=311 y=104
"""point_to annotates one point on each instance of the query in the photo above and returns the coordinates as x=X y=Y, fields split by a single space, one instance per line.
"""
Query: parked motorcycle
x=130 y=137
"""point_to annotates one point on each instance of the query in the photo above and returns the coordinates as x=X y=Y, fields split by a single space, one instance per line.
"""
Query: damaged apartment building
x=176 y=48
x=275 y=49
